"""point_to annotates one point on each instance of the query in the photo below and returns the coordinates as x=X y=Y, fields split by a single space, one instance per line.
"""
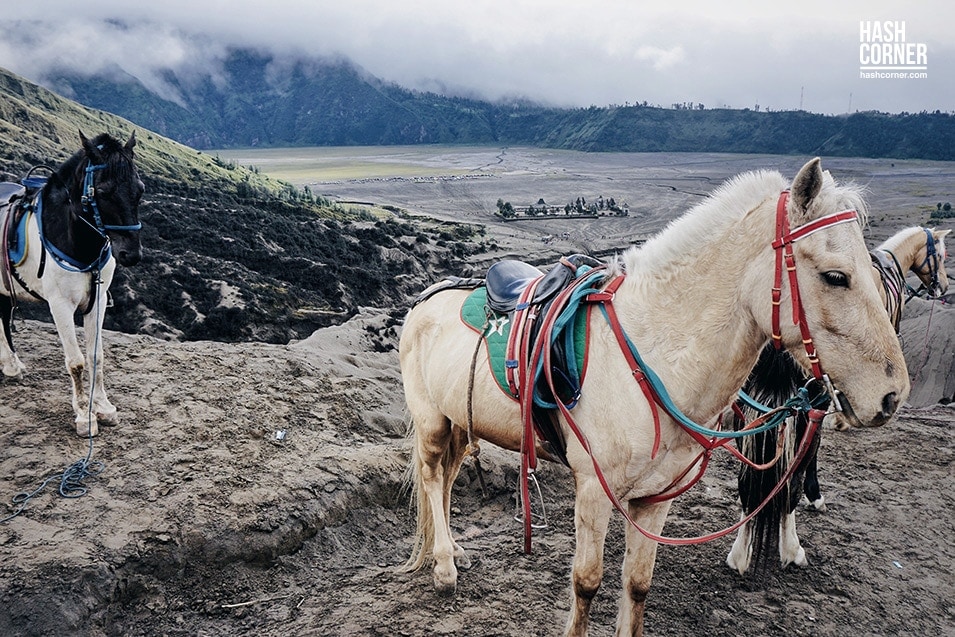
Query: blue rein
x=88 y=200
x=89 y=203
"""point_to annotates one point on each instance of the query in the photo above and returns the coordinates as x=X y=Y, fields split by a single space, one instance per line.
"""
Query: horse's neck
x=907 y=250
x=690 y=323
x=61 y=225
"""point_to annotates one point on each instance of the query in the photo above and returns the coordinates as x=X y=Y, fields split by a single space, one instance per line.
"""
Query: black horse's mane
x=773 y=380
x=112 y=153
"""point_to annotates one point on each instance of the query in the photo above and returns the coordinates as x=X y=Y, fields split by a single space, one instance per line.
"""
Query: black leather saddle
x=507 y=279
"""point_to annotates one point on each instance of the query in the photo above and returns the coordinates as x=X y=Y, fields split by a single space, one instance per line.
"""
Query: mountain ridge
x=265 y=100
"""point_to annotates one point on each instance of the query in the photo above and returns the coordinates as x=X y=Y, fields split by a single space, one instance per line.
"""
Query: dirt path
x=200 y=511
x=256 y=489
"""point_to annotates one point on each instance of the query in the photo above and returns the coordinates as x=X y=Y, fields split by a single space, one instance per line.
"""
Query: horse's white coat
x=696 y=302
x=67 y=291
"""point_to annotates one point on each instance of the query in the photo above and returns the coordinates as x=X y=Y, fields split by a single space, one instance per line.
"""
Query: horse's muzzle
x=127 y=250
x=890 y=405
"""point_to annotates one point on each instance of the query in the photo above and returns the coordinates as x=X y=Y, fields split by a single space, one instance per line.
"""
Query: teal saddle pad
x=496 y=329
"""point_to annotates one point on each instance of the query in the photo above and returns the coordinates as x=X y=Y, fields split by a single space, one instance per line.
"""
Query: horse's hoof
x=737 y=563
x=801 y=558
x=462 y=561
x=87 y=429
x=445 y=580
x=819 y=505
x=108 y=420
x=445 y=590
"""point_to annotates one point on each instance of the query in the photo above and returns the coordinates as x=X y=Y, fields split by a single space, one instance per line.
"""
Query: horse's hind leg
x=12 y=367
x=434 y=461
x=811 y=483
x=456 y=454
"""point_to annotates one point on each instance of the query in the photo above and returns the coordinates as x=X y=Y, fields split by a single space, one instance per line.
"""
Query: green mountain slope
x=229 y=254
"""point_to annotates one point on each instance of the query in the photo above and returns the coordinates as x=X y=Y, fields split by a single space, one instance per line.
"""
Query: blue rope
x=72 y=478
x=753 y=403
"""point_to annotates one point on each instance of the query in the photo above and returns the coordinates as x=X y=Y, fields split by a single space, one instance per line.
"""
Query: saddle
x=893 y=284
x=13 y=217
x=16 y=206
x=508 y=310
x=506 y=280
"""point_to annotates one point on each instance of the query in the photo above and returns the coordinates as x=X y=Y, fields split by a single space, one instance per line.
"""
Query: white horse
x=697 y=302
x=918 y=250
x=62 y=237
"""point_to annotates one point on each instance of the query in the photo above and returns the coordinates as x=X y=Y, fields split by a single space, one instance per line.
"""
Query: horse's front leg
x=104 y=410
x=638 y=562
x=741 y=555
x=591 y=516
x=62 y=312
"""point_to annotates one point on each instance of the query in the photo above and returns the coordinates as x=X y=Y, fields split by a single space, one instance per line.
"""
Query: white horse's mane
x=900 y=237
x=727 y=205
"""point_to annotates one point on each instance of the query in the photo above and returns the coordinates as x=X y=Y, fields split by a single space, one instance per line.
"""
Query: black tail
x=775 y=378
x=6 y=316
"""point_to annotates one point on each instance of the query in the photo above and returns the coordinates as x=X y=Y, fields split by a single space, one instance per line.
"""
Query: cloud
x=559 y=52
x=661 y=59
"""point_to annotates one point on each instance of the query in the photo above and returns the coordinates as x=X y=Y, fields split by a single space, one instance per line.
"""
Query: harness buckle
x=833 y=394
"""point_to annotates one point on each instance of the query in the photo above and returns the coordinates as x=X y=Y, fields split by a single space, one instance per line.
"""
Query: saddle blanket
x=16 y=238
x=496 y=328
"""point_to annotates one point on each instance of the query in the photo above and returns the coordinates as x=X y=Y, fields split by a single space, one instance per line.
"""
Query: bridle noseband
x=88 y=199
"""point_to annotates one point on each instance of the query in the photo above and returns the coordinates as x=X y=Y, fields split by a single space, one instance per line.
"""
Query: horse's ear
x=807 y=184
x=91 y=151
x=131 y=143
x=941 y=234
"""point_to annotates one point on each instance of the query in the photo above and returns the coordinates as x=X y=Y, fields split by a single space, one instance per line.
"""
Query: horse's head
x=846 y=321
x=112 y=193
x=931 y=257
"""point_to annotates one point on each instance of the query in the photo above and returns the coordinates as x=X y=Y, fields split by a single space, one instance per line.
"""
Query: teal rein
x=799 y=402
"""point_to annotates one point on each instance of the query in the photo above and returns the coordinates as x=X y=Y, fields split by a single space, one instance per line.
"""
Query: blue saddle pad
x=17 y=241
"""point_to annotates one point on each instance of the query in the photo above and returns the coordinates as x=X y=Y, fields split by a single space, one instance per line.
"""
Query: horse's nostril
x=890 y=403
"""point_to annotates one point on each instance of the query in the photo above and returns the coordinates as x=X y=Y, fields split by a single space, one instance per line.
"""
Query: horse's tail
x=774 y=379
x=423 y=545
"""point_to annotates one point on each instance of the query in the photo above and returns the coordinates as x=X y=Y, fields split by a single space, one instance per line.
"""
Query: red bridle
x=783 y=245
x=784 y=253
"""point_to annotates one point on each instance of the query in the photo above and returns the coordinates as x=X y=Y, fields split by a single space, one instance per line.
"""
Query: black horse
x=775 y=378
x=62 y=234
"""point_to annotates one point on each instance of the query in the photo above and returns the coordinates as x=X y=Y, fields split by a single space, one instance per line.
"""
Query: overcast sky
x=778 y=55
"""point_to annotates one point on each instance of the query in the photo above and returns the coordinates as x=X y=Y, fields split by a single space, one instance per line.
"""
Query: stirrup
x=538 y=521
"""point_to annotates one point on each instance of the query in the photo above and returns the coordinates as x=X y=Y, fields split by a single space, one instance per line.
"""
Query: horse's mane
x=118 y=161
x=900 y=237
x=724 y=208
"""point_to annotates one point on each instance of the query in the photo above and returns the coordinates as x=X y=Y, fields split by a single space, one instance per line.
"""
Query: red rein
x=784 y=255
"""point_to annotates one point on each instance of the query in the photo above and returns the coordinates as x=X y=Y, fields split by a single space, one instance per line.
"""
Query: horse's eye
x=836 y=279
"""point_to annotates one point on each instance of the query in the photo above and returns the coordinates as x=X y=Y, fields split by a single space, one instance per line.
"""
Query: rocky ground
x=256 y=488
